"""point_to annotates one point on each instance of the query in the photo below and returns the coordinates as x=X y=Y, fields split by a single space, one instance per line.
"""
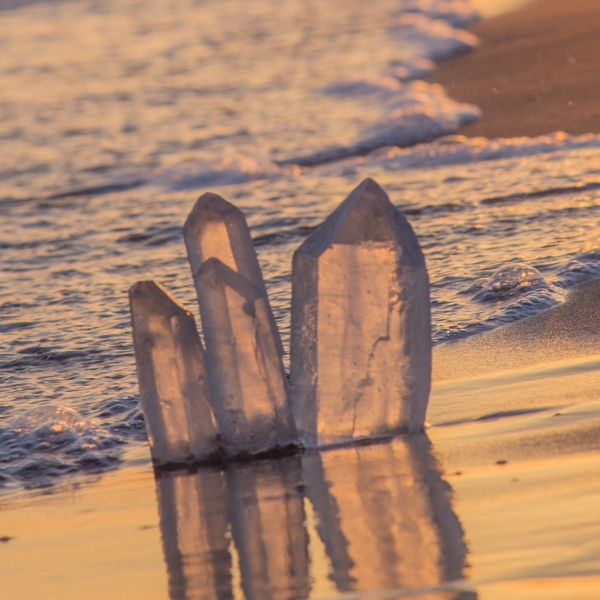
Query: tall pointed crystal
x=248 y=382
x=170 y=364
x=361 y=339
x=217 y=229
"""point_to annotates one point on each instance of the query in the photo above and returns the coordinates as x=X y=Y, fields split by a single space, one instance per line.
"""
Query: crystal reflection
x=347 y=522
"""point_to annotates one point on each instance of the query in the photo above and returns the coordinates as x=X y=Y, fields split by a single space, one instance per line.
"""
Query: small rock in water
x=361 y=330
x=248 y=382
x=174 y=394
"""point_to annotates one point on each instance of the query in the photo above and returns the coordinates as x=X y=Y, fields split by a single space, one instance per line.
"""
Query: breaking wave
x=412 y=111
x=585 y=265
x=431 y=38
x=457 y=13
x=509 y=281
x=51 y=440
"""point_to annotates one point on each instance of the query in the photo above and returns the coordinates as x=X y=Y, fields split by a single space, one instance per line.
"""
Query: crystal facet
x=361 y=333
x=247 y=378
x=170 y=363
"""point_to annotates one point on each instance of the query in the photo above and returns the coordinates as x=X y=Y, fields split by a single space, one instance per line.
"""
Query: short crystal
x=174 y=394
x=361 y=333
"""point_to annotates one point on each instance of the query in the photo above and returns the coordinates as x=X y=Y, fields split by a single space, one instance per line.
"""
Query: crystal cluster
x=360 y=348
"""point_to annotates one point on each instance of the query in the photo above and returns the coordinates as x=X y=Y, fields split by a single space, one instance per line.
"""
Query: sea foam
x=51 y=440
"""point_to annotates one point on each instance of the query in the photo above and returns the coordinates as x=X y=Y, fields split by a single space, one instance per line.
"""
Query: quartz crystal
x=174 y=393
x=361 y=333
x=248 y=382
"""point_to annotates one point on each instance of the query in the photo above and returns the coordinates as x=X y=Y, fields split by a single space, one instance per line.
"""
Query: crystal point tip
x=366 y=216
x=213 y=272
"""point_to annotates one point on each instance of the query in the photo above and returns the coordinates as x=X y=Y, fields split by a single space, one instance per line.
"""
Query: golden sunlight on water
x=132 y=94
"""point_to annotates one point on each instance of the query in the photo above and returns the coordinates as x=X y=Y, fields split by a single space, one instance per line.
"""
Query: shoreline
x=534 y=72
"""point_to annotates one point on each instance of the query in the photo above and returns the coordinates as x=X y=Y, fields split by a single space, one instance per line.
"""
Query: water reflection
x=195 y=534
x=370 y=522
x=266 y=513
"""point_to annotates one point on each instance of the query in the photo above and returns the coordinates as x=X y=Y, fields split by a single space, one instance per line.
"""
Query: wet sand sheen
x=94 y=539
x=528 y=508
x=525 y=488
x=524 y=472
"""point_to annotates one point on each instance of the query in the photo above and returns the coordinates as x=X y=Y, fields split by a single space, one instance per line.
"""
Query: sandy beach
x=534 y=72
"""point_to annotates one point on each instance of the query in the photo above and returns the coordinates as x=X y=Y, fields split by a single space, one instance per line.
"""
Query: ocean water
x=116 y=116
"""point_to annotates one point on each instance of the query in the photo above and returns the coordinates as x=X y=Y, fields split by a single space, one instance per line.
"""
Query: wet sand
x=535 y=71
x=518 y=441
